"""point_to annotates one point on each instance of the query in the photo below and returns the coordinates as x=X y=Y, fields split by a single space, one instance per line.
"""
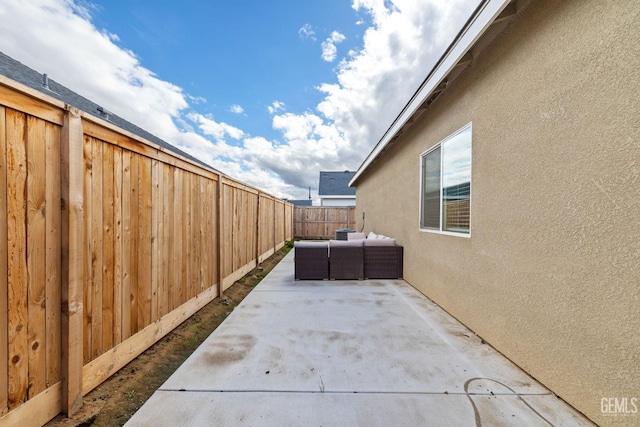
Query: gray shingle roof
x=301 y=202
x=19 y=72
x=336 y=184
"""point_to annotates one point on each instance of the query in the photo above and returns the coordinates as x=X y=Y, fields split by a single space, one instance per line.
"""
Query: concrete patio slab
x=373 y=352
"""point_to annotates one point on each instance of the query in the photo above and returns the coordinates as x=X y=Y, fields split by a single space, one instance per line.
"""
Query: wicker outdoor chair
x=311 y=260
x=383 y=262
x=346 y=260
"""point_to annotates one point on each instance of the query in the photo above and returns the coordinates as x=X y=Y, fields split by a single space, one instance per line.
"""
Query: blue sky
x=268 y=92
x=236 y=53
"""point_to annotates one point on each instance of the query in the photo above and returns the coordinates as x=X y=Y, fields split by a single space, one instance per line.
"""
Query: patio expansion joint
x=366 y=392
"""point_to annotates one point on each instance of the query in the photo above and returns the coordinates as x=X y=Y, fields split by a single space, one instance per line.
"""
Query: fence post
x=4 y=272
x=258 y=230
x=219 y=239
x=72 y=259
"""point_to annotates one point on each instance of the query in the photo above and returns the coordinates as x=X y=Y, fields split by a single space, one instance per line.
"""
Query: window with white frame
x=445 y=178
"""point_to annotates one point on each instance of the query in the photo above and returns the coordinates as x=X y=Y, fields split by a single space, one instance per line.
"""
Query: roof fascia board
x=482 y=20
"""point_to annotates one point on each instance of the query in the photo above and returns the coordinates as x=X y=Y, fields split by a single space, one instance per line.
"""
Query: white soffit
x=485 y=15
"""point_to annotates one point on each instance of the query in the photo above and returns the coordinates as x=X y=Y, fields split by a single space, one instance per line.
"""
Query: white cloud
x=56 y=37
x=218 y=130
x=197 y=99
x=406 y=39
x=329 y=49
x=275 y=107
x=403 y=40
x=306 y=32
x=237 y=109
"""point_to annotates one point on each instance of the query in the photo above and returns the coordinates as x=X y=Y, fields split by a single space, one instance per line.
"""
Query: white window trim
x=424 y=153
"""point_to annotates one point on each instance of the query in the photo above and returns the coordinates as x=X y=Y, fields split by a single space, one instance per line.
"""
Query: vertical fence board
x=36 y=254
x=224 y=234
x=258 y=218
x=108 y=243
x=158 y=265
x=88 y=248
x=245 y=227
x=135 y=232
x=187 y=248
x=17 y=266
x=177 y=239
x=197 y=232
x=126 y=246
x=117 y=250
x=280 y=235
x=251 y=221
x=262 y=212
x=144 y=246
x=164 y=236
x=192 y=239
x=236 y=242
x=156 y=227
x=276 y=224
x=203 y=264
x=205 y=235
x=289 y=222
x=214 y=243
x=169 y=227
x=163 y=301
x=184 y=237
x=273 y=223
x=270 y=225
x=4 y=323
x=96 y=250
x=228 y=218
x=212 y=232
x=189 y=239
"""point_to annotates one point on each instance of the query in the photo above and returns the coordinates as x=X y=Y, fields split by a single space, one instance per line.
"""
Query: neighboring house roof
x=455 y=59
x=19 y=72
x=336 y=184
x=303 y=202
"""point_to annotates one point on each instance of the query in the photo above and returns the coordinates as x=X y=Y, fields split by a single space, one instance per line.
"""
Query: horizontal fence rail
x=107 y=243
x=321 y=222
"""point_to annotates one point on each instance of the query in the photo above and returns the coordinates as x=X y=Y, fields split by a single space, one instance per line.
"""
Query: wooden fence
x=321 y=222
x=107 y=243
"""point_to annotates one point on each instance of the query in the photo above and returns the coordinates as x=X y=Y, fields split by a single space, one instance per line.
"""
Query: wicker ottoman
x=346 y=260
x=311 y=260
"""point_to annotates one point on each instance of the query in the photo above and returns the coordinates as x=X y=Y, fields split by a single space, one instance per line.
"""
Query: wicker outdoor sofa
x=359 y=257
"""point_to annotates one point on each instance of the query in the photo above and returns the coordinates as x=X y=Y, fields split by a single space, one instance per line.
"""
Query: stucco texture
x=551 y=273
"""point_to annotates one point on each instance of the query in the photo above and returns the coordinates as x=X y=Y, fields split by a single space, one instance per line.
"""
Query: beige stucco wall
x=551 y=274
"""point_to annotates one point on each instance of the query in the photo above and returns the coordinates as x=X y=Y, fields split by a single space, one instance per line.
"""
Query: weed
x=192 y=341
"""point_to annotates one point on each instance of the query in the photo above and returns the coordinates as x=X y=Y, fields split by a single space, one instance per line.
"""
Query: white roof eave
x=478 y=24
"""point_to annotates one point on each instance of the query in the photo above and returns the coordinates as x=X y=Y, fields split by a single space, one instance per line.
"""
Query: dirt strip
x=113 y=402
